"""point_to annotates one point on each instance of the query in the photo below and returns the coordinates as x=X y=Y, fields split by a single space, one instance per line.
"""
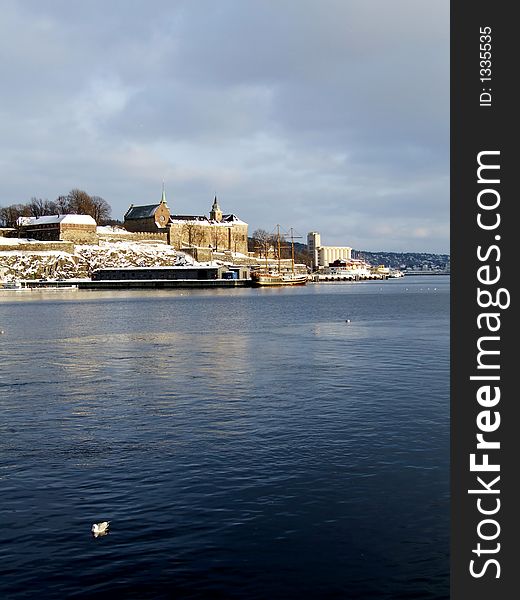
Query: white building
x=323 y=256
x=330 y=254
x=80 y=229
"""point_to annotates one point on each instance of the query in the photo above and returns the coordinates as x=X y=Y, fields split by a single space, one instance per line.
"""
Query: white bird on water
x=100 y=528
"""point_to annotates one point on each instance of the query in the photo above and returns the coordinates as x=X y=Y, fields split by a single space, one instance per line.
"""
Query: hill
x=395 y=260
x=406 y=260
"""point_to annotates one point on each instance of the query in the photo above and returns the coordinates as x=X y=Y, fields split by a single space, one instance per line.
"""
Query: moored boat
x=277 y=277
x=262 y=278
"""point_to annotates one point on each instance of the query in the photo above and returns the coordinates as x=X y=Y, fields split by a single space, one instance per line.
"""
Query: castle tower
x=216 y=213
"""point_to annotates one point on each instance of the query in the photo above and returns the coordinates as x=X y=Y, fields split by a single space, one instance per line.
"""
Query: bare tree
x=80 y=203
x=10 y=214
x=37 y=207
x=191 y=230
x=40 y=208
x=76 y=201
x=62 y=205
x=51 y=208
x=264 y=242
x=101 y=210
x=261 y=242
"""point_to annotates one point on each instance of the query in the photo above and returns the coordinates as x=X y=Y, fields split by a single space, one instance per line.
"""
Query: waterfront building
x=313 y=243
x=80 y=229
x=330 y=254
x=193 y=276
x=217 y=232
x=323 y=256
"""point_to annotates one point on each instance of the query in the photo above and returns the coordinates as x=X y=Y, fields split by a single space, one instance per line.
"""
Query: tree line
x=264 y=244
x=76 y=202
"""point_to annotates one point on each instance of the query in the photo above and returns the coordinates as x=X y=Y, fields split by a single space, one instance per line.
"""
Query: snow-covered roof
x=199 y=219
x=202 y=220
x=233 y=219
x=56 y=219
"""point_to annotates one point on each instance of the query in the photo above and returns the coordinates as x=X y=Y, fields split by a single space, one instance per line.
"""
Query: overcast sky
x=325 y=115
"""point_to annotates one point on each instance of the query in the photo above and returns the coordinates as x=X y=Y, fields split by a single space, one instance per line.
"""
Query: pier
x=159 y=284
x=320 y=278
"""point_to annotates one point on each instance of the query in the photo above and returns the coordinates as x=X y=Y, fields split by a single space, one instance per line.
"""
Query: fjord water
x=245 y=443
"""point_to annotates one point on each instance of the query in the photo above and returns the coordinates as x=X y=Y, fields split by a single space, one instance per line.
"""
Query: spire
x=216 y=213
x=163 y=196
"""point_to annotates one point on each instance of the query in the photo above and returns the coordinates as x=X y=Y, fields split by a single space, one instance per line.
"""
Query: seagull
x=100 y=528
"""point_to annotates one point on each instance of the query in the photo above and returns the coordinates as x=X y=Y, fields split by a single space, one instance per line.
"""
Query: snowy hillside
x=53 y=264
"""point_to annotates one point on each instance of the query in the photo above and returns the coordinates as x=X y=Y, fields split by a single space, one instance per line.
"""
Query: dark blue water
x=243 y=443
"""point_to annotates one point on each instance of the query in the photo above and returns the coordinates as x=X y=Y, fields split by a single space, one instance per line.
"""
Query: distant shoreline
x=422 y=273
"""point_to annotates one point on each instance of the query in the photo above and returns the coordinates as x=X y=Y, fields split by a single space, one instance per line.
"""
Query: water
x=244 y=443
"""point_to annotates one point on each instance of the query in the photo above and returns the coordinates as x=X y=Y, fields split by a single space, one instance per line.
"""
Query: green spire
x=163 y=196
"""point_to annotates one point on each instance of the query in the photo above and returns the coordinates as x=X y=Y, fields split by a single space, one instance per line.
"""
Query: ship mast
x=292 y=249
x=279 y=249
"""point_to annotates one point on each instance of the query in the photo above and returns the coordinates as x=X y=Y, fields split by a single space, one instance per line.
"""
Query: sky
x=318 y=115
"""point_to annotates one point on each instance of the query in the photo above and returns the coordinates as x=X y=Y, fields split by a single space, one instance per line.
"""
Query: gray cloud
x=329 y=116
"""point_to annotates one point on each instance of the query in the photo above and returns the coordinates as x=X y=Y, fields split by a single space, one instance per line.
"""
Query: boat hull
x=279 y=280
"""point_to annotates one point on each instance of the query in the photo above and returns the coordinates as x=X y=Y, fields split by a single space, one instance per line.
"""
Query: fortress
x=196 y=234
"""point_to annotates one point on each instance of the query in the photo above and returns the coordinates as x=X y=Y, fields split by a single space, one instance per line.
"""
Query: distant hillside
x=405 y=260
x=394 y=260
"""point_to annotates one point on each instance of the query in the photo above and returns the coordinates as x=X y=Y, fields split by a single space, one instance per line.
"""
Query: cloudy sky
x=325 y=115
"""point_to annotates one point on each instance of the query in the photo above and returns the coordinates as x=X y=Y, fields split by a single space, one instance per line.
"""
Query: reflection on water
x=243 y=444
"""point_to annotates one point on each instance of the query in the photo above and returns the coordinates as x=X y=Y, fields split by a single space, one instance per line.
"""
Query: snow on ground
x=54 y=264
x=109 y=229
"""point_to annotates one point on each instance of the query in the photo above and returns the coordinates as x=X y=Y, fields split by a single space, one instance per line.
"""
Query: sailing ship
x=269 y=276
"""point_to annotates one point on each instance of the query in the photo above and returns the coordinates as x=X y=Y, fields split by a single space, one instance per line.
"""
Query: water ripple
x=243 y=445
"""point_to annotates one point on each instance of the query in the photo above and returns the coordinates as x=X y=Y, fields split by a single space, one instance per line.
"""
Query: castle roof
x=147 y=211
x=188 y=218
x=203 y=220
x=142 y=212
x=232 y=219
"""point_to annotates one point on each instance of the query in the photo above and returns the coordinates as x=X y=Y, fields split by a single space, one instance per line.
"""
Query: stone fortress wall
x=38 y=247
x=78 y=234
x=119 y=235
x=217 y=237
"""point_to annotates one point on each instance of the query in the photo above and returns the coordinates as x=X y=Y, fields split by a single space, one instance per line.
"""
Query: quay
x=50 y=284
x=414 y=273
x=208 y=276
x=189 y=276
x=186 y=276
x=320 y=278
x=159 y=284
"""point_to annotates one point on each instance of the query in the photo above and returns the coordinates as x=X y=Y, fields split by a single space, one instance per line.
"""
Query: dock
x=320 y=278
x=159 y=284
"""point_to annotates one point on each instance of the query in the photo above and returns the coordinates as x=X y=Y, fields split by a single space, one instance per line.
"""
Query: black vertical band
x=484 y=401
